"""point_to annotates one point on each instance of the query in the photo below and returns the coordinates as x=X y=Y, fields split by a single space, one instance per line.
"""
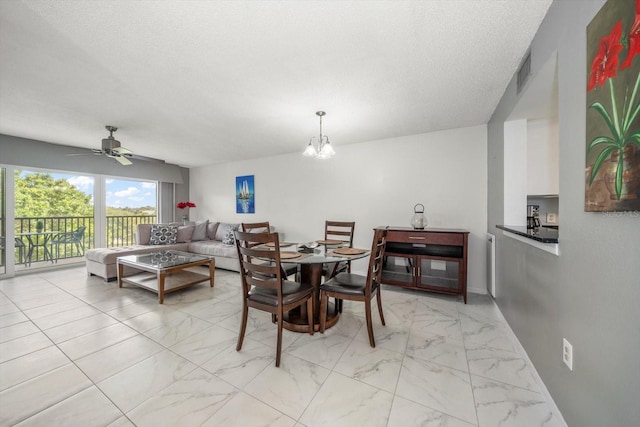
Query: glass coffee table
x=166 y=271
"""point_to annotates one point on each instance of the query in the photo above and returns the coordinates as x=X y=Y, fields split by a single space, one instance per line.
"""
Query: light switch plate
x=552 y=218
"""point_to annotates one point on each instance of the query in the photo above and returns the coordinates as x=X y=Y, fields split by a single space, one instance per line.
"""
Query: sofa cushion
x=200 y=231
x=162 y=234
x=143 y=232
x=223 y=230
x=184 y=233
x=213 y=248
x=212 y=227
x=229 y=238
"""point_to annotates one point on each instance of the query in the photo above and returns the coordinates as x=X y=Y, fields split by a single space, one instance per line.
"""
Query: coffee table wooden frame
x=163 y=280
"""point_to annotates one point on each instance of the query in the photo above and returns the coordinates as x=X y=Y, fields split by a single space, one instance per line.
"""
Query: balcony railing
x=32 y=247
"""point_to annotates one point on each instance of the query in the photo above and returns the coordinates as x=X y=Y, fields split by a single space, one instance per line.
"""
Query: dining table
x=311 y=259
x=38 y=239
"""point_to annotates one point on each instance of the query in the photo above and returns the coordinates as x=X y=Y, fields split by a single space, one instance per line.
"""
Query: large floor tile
x=501 y=365
x=134 y=309
x=378 y=367
x=406 y=413
x=438 y=323
x=391 y=337
x=54 y=308
x=23 y=345
x=216 y=312
x=17 y=330
x=343 y=401
x=88 y=408
x=31 y=397
x=204 y=345
x=109 y=361
x=240 y=367
x=189 y=401
x=504 y=405
x=31 y=365
x=79 y=327
x=243 y=410
x=322 y=349
x=290 y=387
x=163 y=316
x=437 y=349
x=489 y=334
x=97 y=340
x=62 y=318
x=439 y=387
x=178 y=330
x=13 y=318
x=132 y=386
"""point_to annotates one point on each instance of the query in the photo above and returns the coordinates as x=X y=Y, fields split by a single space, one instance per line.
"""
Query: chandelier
x=320 y=147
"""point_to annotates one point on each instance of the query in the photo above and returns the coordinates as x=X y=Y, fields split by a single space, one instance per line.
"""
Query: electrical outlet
x=552 y=218
x=567 y=353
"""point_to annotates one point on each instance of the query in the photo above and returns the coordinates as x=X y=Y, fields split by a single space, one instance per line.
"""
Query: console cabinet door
x=399 y=269
x=438 y=274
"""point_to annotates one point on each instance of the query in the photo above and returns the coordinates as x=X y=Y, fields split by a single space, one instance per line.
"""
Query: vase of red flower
x=183 y=206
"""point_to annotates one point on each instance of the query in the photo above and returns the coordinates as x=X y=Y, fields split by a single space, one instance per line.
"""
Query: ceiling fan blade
x=121 y=151
x=144 y=158
x=122 y=160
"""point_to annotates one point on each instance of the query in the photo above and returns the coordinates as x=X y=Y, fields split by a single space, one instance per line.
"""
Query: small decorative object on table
x=185 y=205
x=418 y=221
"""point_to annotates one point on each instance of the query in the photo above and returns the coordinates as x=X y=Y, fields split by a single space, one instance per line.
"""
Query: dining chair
x=264 y=286
x=342 y=231
x=356 y=287
x=75 y=238
x=264 y=227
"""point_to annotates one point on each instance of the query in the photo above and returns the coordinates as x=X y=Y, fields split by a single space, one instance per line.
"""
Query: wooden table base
x=296 y=321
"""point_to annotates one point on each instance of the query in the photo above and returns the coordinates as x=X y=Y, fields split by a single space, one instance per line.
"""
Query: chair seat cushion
x=347 y=284
x=291 y=292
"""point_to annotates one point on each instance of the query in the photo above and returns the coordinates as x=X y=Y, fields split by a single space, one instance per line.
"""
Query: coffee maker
x=533 y=217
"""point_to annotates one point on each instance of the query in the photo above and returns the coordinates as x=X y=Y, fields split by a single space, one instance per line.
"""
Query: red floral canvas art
x=612 y=176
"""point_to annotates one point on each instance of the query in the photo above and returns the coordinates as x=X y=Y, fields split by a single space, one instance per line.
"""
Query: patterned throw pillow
x=163 y=234
x=229 y=237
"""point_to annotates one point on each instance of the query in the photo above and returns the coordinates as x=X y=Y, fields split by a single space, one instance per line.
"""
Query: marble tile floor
x=76 y=351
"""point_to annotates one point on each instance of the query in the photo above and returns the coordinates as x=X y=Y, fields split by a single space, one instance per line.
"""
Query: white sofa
x=207 y=238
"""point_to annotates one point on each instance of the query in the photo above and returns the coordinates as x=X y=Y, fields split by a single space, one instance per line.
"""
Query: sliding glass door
x=50 y=218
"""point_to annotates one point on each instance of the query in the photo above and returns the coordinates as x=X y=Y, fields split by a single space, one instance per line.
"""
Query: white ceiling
x=203 y=82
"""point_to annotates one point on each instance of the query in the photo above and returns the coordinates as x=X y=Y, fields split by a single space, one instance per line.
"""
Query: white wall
x=515 y=172
x=374 y=183
x=543 y=172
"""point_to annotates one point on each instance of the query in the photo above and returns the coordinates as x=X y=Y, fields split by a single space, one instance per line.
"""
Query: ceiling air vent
x=524 y=72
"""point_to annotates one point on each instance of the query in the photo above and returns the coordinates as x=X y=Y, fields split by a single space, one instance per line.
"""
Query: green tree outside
x=41 y=195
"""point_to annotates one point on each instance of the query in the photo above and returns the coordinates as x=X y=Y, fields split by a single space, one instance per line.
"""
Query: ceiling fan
x=111 y=148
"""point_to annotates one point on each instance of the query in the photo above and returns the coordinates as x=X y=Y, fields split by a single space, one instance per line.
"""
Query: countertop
x=540 y=234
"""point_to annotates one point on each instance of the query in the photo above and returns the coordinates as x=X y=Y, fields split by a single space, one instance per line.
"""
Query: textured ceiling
x=203 y=82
